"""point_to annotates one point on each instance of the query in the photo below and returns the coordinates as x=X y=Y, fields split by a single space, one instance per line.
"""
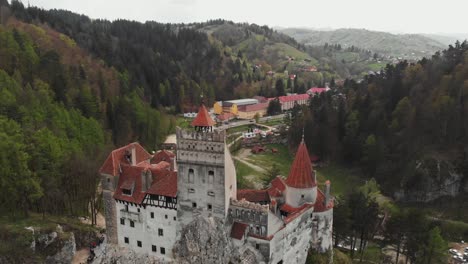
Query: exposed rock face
x=66 y=253
x=433 y=179
x=205 y=240
x=111 y=253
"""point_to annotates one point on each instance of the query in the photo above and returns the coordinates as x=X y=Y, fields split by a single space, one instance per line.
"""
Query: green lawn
x=242 y=171
x=283 y=159
x=183 y=122
x=273 y=122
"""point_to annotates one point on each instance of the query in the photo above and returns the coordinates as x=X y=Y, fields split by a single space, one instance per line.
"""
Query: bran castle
x=149 y=199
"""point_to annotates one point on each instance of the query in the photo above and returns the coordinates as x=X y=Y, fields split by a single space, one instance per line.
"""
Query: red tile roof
x=317 y=90
x=165 y=185
x=292 y=98
x=238 y=230
x=252 y=107
x=162 y=155
x=295 y=212
x=226 y=116
x=203 y=118
x=117 y=157
x=255 y=196
x=277 y=187
x=301 y=174
x=320 y=205
x=130 y=179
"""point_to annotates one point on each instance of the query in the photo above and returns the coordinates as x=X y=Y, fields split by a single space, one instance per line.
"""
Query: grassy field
x=343 y=180
x=273 y=122
x=283 y=159
x=243 y=171
x=183 y=122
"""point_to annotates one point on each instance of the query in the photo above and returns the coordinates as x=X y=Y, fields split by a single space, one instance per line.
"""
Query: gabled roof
x=162 y=155
x=238 y=230
x=255 y=196
x=301 y=175
x=277 y=187
x=116 y=157
x=203 y=118
x=165 y=185
x=292 y=98
x=130 y=179
x=317 y=90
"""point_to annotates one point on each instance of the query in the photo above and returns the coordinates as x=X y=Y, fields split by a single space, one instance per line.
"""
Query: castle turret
x=206 y=172
x=301 y=182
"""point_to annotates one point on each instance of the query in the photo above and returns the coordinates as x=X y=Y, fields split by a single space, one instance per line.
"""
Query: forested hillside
x=393 y=123
x=59 y=107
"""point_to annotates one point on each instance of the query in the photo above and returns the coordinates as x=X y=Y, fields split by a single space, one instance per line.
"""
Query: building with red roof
x=289 y=101
x=316 y=90
x=148 y=198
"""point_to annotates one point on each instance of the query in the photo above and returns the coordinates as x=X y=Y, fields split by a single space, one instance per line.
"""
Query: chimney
x=145 y=180
x=327 y=192
x=133 y=156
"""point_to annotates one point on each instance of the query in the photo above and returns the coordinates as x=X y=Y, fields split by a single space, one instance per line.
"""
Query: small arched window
x=210 y=177
x=191 y=176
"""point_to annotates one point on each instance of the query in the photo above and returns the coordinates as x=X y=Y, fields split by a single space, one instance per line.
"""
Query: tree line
x=389 y=122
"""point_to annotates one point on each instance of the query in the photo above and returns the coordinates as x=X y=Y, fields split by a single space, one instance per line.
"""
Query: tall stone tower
x=206 y=173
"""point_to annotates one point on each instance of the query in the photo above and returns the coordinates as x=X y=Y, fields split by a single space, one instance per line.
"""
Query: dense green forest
x=394 y=120
x=59 y=107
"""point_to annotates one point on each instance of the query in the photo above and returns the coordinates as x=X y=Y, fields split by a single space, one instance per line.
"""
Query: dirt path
x=253 y=166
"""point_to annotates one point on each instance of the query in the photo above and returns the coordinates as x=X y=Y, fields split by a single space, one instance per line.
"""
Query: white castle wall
x=146 y=229
x=297 y=197
x=322 y=237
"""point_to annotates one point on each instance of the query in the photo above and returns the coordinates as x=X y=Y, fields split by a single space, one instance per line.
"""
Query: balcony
x=134 y=216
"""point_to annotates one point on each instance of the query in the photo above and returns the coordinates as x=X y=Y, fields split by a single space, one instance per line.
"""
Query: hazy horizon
x=443 y=18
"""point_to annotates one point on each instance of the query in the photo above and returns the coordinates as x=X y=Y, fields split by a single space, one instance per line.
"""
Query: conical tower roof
x=301 y=174
x=203 y=118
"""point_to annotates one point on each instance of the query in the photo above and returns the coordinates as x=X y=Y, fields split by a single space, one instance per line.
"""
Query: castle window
x=126 y=208
x=122 y=221
x=127 y=191
x=165 y=216
x=210 y=207
x=194 y=205
x=191 y=190
x=191 y=176
x=211 y=193
x=210 y=177
x=108 y=179
x=138 y=209
x=163 y=250
x=257 y=246
x=138 y=243
x=153 y=248
x=126 y=240
x=132 y=224
x=175 y=218
x=160 y=232
x=152 y=215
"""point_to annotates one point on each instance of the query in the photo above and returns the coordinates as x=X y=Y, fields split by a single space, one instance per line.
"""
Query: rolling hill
x=408 y=46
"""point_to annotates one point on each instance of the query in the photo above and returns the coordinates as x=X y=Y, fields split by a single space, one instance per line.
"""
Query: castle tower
x=301 y=182
x=206 y=173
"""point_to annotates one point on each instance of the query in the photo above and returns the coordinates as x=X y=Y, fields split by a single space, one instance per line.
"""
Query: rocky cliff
x=205 y=240
x=433 y=178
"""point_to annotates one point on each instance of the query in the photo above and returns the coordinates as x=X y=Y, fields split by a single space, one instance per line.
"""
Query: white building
x=149 y=198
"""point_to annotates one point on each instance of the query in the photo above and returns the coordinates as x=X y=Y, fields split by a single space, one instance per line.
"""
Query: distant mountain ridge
x=411 y=46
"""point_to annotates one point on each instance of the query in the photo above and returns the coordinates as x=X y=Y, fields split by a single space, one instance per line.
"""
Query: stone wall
x=110 y=216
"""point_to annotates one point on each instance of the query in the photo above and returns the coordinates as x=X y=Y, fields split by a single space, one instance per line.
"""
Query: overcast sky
x=405 y=16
